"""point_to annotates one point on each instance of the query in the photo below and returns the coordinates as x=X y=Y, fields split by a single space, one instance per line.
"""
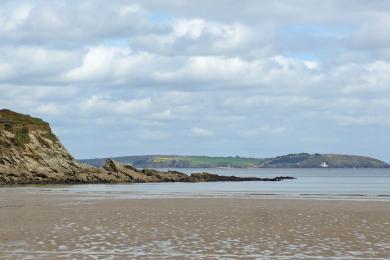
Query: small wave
x=265 y=194
x=333 y=195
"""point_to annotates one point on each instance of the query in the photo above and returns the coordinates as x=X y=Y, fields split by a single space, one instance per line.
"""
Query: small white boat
x=324 y=165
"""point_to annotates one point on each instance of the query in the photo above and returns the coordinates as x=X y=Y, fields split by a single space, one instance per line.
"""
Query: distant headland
x=298 y=160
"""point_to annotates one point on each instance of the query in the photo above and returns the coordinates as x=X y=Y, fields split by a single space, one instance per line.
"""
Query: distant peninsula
x=298 y=160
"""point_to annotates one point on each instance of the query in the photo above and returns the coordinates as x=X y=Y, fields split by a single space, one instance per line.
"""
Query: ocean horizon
x=335 y=184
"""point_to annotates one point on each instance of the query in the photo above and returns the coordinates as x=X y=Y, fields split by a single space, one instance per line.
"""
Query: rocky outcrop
x=208 y=177
x=146 y=175
x=31 y=154
x=149 y=175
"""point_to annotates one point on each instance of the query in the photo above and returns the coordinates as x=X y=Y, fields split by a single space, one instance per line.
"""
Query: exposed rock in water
x=207 y=177
x=149 y=175
x=30 y=153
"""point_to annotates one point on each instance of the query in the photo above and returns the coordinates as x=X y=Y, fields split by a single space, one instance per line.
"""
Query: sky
x=219 y=78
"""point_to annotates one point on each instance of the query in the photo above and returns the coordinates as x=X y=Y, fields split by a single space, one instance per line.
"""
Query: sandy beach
x=49 y=226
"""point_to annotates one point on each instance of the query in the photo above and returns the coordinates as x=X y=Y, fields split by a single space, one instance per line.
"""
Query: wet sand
x=50 y=226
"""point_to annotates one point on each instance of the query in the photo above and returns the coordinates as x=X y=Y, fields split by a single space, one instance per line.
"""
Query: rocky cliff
x=31 y=153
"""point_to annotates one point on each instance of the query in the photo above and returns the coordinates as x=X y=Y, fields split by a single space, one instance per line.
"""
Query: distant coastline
x=298 y=160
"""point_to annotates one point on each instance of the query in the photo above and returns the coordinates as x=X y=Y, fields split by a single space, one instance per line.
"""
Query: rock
x=110 y=166
x=207 y=177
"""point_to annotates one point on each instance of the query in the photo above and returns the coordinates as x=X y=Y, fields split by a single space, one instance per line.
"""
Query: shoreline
x=47 y=225
x=119 y=191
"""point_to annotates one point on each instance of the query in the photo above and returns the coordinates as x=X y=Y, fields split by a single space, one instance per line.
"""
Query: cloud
x=97 y=104
x=154 y=135
x=179 y=76
x=197 y=37
x=108 y=63
x=60 y=22
x=201 y=132
x=34 y=65
x=362 y=120
x=262 y=130
x=47 y=109
x=372 y=35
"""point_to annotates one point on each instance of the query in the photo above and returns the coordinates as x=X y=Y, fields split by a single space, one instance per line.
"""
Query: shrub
x=21 y=136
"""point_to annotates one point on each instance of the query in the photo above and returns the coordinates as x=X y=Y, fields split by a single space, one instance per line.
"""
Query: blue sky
x=204 y=77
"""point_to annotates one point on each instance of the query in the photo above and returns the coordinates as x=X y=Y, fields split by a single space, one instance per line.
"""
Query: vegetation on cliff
x=10 y=118
x=19 y=126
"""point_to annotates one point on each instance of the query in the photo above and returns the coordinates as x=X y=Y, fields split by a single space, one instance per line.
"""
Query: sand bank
x=45 y=226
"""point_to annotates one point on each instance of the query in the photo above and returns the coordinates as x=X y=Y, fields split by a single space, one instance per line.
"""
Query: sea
x=344 y=184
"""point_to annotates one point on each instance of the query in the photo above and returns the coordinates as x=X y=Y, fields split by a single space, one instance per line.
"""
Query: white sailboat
x=324 y=165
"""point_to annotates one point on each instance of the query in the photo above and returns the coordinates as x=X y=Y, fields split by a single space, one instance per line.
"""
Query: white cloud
x=262 y=130
x=362 y=120
x=197 y=37
x=189 y=28
x=62 y=22
x=208 y=68
x=110 y=63
x=98 y=104
x=48 y=109
x=201 y=132
x=12 y=18
x=373 y=34
x=154 y=135
x=34 y=64
x=218 y=37
x=176 y=71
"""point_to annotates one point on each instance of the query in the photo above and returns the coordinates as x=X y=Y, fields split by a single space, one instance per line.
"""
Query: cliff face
x=31 y=153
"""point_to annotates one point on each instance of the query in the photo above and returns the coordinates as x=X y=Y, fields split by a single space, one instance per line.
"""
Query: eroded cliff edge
x=30 y=154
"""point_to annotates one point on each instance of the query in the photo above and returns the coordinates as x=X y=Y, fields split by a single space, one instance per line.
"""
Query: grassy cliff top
x=8 y=117
x=20 y=126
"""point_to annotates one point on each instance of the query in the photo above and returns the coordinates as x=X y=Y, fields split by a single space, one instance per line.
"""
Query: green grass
x=8 y=117
x=21 y=136
x=49 y=135
x=205 y=161
x=20 y=125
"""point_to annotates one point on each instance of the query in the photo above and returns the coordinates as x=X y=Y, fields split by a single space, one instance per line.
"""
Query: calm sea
x=356 y=184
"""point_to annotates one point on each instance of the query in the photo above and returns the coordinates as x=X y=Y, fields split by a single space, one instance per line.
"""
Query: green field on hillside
x=205 y=161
